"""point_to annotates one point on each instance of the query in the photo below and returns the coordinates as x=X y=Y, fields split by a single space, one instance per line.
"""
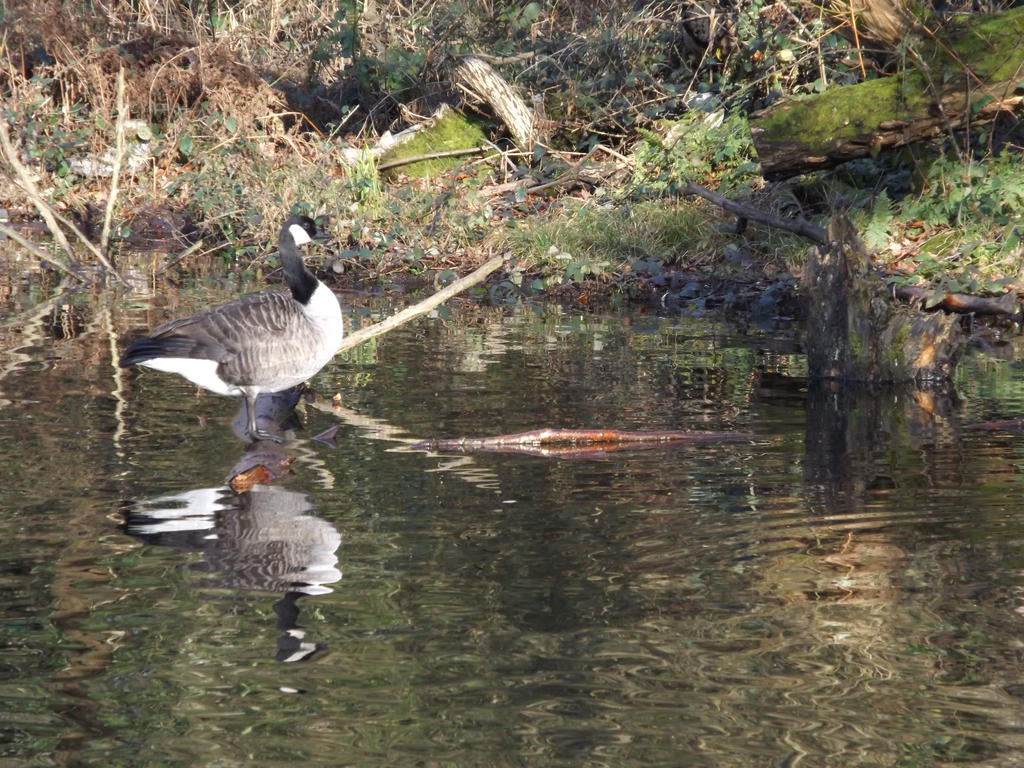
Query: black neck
x=300 y=280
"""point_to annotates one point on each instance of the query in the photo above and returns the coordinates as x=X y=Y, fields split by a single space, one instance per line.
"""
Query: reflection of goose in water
x=264 y=539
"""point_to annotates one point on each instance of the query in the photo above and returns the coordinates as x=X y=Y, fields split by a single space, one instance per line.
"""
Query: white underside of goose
x=202 y=373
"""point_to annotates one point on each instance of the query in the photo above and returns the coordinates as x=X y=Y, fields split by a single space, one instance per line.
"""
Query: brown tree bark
x=854 y=332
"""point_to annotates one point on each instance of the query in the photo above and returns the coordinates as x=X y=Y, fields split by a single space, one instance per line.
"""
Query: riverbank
x=217 y=133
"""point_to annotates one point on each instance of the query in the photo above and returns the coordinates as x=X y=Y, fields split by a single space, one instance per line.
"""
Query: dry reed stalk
x=885 y=21
x=122 y=114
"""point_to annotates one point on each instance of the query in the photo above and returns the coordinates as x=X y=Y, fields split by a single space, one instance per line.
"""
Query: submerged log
x=969 y=76
x=595 y=440
x=855 y=333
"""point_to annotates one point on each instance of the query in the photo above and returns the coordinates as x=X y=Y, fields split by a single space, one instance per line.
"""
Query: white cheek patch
x=299 y=235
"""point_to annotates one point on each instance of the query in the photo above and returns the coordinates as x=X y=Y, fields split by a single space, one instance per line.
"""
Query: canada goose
x=264 y=342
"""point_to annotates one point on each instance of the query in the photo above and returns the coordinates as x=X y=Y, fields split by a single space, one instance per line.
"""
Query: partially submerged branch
x=593 y=439
x=72 y=269
x=421 y=308
x=24 y=181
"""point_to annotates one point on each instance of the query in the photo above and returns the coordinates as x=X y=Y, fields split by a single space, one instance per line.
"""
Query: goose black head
x=297 y=231
x=300 y=229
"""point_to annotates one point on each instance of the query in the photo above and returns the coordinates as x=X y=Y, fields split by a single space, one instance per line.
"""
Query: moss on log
x=444 y=133
x=933 y=94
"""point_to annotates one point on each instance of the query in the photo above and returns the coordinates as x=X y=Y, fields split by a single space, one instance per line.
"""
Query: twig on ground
x=431 y=156
x=961 y=303
x=799 y=226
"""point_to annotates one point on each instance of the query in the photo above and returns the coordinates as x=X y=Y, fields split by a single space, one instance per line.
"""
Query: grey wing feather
x=219 y=333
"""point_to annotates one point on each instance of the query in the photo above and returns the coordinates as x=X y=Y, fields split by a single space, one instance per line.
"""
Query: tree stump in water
x=856 y=332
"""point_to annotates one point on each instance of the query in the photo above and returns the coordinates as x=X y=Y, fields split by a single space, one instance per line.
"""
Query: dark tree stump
x=855 y=332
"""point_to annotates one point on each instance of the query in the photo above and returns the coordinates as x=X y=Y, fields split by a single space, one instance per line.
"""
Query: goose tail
x=151 y=348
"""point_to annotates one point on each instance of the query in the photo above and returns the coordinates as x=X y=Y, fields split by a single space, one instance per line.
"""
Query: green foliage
x=620 y=244
x=50 y=136
x=363 y=183
x=875 y=228
x=971 y=212
x=696 y=146
x=951 y=275
x=451 y=131
x=381 y=73
x=520 y=18
x=620 y=70
x=956 y=193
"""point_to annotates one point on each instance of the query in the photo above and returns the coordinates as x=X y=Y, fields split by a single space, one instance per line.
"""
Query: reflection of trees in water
x=264 y=539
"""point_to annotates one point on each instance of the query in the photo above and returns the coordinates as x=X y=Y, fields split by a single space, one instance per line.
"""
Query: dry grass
x=199 y=84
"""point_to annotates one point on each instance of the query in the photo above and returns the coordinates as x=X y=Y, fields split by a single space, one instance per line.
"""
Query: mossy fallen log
x=855 y=332
x=970 y=73
x=435 y=145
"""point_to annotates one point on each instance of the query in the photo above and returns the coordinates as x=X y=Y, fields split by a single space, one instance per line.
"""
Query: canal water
x=842 y=586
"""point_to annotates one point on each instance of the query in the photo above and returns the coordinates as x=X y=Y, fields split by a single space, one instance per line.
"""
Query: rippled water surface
x=844 y=586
